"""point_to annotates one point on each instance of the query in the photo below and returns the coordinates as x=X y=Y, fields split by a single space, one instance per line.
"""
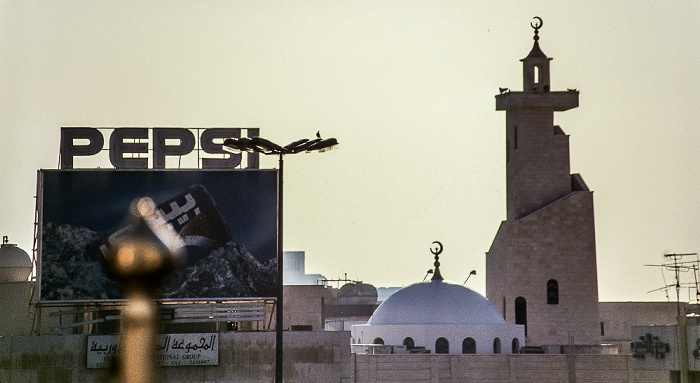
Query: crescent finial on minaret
x=536 y=25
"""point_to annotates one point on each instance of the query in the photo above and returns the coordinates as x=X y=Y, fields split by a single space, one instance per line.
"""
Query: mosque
x=439 y=317
x=541 y=268
x=540 y=321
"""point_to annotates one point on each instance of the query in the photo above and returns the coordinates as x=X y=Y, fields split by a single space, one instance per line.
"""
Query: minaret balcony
x=555 y=101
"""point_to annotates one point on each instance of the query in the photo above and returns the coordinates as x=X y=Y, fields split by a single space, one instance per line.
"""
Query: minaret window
x=552 y=292
x=537 y=74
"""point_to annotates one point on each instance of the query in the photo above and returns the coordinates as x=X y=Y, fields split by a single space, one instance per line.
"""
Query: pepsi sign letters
x=129 y=146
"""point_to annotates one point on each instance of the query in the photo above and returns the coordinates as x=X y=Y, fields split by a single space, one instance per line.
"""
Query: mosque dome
x=436 y=302
x=15 y=264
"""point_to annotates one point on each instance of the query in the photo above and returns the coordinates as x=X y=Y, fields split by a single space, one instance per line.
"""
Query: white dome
x=15 y=264
x=436 y=302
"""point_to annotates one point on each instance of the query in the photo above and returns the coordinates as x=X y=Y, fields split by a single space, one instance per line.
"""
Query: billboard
x=226 y=218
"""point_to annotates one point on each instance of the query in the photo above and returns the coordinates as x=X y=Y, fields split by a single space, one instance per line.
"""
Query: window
x=521 y=312
x=552 y=292
x=378 y=341
x=537 y=74
x=602 y=328
x=409 y=343
x=442 y=346
x=515 y=346
x=507 y=150
x=497 y=345
x=468 y=346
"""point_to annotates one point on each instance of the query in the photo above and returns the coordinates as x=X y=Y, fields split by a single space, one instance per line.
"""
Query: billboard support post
x=279 y=334
x=261 y=145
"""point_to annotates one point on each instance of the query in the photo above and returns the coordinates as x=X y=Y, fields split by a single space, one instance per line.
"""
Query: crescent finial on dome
x=436 y=249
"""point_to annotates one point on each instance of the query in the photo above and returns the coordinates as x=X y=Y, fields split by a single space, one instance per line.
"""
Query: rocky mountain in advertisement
x=71 y=271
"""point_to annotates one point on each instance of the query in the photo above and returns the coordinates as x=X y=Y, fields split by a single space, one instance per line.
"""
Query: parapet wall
x=513 y=368
x=243 y=357
x=319 y=357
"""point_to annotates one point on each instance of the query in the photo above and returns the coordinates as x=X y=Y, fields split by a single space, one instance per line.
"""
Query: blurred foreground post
x=139 y=258
x=138 y=339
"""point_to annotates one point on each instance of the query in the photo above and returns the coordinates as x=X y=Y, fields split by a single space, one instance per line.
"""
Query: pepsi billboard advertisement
x=227 y=220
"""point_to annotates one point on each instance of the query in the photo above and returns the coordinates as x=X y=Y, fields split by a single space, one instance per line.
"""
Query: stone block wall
x=537 y=167
x=619 y=317
x=556 y=242
x=501 y=369
x=244 y=357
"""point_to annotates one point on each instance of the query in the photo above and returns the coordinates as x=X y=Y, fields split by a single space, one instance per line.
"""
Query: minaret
x=537 y=157
x=541 y=267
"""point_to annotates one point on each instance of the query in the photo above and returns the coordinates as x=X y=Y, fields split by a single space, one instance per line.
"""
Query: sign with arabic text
x=195 y=349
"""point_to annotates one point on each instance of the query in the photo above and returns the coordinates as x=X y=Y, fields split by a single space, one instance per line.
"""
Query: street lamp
x=261 y=145
x=473 y=272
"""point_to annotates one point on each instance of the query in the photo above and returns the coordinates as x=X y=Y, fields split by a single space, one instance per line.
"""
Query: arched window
x=552 y=292
x=409 y=343
x=515 y=346
x=378 y=341
x=468 y=346
x=521 y=312
x=497 y=345
x=442 y=346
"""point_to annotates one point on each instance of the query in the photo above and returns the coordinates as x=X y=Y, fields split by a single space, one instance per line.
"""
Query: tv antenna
x=679 y=264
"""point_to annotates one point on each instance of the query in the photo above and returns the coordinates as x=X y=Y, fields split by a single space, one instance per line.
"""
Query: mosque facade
x=439 y=317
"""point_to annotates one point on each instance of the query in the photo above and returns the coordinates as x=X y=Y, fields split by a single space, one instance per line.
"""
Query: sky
x=407 y=88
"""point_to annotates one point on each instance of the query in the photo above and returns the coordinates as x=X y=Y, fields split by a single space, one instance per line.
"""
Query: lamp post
x=261 y=145
x=473 y=272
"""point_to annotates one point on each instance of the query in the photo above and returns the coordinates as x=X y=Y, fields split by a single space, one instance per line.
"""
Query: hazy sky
x=407 y=87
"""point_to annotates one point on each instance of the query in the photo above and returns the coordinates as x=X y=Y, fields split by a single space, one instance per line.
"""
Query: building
x=438 y=317
x=295 y=270
x=541 y=267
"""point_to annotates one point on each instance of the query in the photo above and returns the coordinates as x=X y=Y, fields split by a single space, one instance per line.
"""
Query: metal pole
x=683 y=348
x=279 y=338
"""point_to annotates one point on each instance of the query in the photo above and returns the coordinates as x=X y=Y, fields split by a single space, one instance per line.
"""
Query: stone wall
x=501 y=369
x=244 y=357
x=556 y=242
x=619 y=317
x=318 y=357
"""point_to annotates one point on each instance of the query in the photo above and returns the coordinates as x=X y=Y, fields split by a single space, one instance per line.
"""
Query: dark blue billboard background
x=227 y=219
